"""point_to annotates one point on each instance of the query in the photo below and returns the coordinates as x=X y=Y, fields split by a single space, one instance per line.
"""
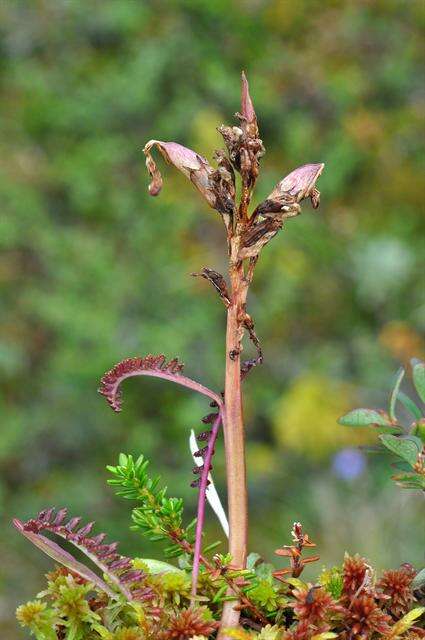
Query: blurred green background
x=92 y=270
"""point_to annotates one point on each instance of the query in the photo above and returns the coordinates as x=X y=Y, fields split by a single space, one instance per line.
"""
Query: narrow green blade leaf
x=158 y=566
x=419 y=580
x=419 y=378
x=416 y=440
x=394 y=393
x=410 y=481
x=409 y=405
x=403 y=448
x=212 y=546
x=401 y=465
x=363 y=418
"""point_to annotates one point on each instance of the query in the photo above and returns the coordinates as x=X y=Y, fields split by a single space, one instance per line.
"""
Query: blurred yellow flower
x=305 y=417
x=365 y=127
x=261 y=459
x=402 y=341
x=204 y=131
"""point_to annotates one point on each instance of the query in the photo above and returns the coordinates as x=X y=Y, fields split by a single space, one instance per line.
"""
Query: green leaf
x=415 y=439
x=410 y=481
x=394 y=429
x=402 y=447
x=409 y=405
x=419 y=378
x=394 y=393
x=419 y=431
x=158 y=566
x=212 y=546
x=297 y=583
x=419 y=580
x=220 y=593
x=122 y=460
x=363 y=418
x=253 y=559
x=401 y=465
x=405 y=477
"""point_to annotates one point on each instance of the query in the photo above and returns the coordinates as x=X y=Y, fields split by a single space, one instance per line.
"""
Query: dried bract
x=218 y=282
x=257 y=236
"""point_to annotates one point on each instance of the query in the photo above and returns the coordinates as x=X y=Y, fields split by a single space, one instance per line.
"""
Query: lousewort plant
x=209 y=595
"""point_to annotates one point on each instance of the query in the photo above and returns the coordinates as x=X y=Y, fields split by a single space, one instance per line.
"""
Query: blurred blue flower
x=349 y=463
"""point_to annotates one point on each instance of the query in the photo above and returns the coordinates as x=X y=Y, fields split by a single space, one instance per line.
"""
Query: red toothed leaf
x=149 y=365
x=118 y=568
x=58 y=554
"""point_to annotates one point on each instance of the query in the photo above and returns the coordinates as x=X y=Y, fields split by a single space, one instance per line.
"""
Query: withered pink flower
x=208 y=181
x=289 y=192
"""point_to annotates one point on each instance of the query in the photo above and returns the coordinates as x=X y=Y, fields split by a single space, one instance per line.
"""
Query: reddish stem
x=235 y=439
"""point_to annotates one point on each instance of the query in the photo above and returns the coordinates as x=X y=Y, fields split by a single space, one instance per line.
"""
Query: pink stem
x=203 y=485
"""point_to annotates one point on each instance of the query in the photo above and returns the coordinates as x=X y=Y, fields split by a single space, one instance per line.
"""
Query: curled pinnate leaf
x=155 y=366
